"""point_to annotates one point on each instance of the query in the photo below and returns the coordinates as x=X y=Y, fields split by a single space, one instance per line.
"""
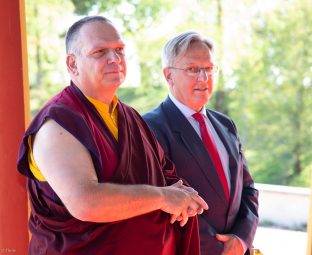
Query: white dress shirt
x=224 y=156
x=188 y=112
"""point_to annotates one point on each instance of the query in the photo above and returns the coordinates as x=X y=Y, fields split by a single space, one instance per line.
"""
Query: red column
x=14 y=115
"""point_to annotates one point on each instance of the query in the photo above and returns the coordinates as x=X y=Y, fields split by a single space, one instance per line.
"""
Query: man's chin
x=115 y=84
x=117 y=81
x=202 y=98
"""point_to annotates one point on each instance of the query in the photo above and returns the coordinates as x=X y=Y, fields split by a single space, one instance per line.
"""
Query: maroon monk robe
x=135 y=159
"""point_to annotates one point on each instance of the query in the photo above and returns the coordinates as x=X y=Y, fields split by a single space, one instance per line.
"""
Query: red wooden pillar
x=14 y=116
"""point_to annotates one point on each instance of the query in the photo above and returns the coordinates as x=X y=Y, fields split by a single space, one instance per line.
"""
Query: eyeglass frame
x=214 y=70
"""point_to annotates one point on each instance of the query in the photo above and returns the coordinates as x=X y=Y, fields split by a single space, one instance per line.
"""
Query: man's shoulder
x=218 y=115
x=223 y=119
x=62 y=108
x=154 y=112
x=156 y=115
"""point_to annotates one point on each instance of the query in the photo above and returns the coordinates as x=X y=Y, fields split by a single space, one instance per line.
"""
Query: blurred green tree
x=262 y=49
x=46 y=25
x=273 y=95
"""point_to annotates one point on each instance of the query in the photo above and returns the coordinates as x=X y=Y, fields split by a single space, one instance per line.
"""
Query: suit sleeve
x=169 y=169
x=167 y=165
x=247 y=218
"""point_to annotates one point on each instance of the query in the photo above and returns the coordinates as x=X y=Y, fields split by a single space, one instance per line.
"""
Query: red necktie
x=212 y=150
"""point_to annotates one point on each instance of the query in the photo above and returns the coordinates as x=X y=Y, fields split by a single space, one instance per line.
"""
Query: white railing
x=283 y=206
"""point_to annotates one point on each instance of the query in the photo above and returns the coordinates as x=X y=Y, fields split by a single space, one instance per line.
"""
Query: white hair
x=179 y=44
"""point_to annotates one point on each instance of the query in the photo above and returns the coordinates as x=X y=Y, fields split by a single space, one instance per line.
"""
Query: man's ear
x=71 y=64
x=168 y=75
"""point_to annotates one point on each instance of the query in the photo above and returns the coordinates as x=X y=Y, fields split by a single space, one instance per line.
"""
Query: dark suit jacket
x=185 y=148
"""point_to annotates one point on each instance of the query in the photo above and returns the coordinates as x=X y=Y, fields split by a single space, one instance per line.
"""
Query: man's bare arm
x=67 y=166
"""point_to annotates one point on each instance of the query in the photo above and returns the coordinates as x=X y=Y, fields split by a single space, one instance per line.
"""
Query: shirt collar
x=186 y=111
x=104 y=107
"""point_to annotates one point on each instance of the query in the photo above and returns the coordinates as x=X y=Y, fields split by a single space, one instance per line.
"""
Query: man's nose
x=202 y=75
x=113 y=57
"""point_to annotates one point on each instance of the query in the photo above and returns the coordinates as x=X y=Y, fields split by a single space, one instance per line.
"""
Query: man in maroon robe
x=100 y=184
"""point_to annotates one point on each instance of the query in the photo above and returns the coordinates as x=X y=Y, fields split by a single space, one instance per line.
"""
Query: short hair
x=179 y=44
x=72 y=34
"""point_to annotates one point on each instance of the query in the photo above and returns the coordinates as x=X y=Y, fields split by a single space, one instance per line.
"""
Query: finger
x=179 y=218
x=223 y=238
x=173 y=218
x=189 y=190
x=178 y=184
x=231 y=244
x=191 y=212
x=184 y=218
x=198 y=199
x=192 y=208
x=200 y=210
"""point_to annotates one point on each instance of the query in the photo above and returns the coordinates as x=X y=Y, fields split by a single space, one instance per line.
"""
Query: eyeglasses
x=194 y=71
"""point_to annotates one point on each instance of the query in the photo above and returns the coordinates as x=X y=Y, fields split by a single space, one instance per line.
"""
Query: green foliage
x=83 y=7
x=46 y=53
x=263 y=51
x=137 y=19
x=143 y=100
x=273 y=96
x=134 y=14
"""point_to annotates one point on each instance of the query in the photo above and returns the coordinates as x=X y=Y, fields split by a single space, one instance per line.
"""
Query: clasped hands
x=182 y=202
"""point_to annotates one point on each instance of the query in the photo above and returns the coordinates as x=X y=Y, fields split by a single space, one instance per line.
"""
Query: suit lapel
x=182 y=128
x=225 y=135
x=230 y=144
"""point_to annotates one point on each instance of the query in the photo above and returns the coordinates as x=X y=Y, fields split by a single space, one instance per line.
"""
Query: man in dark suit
x=205 y=147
